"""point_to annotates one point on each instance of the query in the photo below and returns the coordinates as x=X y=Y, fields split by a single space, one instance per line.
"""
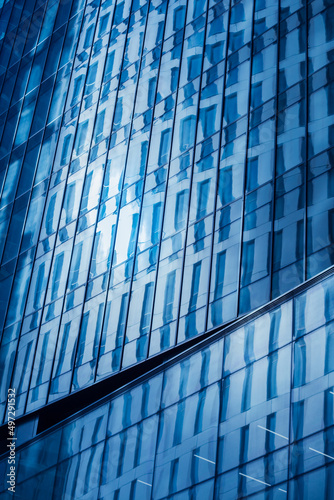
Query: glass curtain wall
x=165 y=167
x=246 y=416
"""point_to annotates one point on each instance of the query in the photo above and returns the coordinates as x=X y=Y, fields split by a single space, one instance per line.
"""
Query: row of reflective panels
x=236 y=419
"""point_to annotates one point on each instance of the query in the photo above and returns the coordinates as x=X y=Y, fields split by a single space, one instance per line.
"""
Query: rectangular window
x=202 y=201
x=169 y=297
x=122 y=317
x=146 y=309
x=103 y=24
x=178 y=18
x=98 y=134
x=156 y=219
x=179 y=215
x=80 y=142
x=220 y=270
x=78 y=83
x=91 y=77
x=164 y=146
x=195 y=285
x=58 y=267
x=209 y=118
x=187 y=132
x=66 y=152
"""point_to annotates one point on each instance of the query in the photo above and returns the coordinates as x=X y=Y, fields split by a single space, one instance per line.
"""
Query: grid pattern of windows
x=165 y=166
x=214 y=425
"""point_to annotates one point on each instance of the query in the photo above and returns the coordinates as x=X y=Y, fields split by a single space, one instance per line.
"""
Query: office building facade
x=166 y=247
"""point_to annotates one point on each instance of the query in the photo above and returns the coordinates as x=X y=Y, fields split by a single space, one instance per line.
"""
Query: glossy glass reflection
x=165 y=168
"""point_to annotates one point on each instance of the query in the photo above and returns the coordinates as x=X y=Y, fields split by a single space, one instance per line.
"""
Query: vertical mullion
x=273 y=211
x=144 y=183
x=23 y=96
x=33 y=51
x=218 y=165
x=246 y=158
x=121 y=190
x=166 y=187
x=5 y=30
x=11 y=31
x=75 y=353
x=11 y=105
x=104 y=447
x=220 y=409
x=76 y=222
x=292 y=344
x=47 y=191
x=306 y=167
x=123 y=180
x=24 y=308
x=23 y=35
x=192 y=175
x=159 y=413
x=25 y=150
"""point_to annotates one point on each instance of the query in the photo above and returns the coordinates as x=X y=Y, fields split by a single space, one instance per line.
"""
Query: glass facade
x=250 y=415
x=167 y=167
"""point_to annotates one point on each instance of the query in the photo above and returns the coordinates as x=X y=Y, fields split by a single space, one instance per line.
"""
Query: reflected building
x=166 y=248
